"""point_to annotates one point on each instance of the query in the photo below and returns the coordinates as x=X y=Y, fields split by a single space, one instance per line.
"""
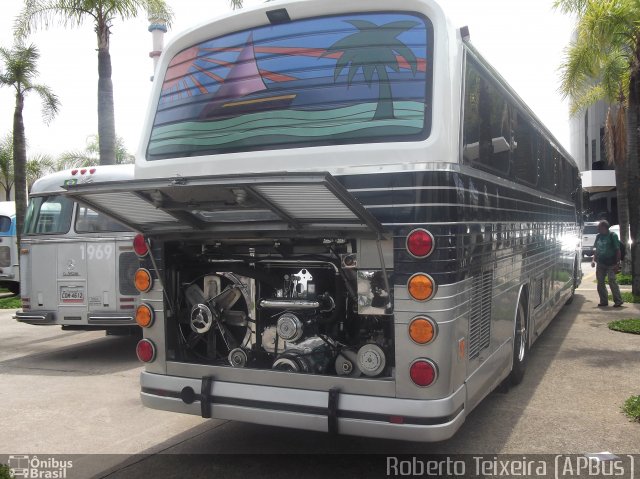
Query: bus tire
x=520 y=346
x=14 y=288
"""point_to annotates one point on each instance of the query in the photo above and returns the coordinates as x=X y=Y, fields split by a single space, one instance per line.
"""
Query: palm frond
x=571 y=6
x=50 y=102
x=235 y=4
x=578 y=69
x=127 y=9
x=42 y=14
x=588 y=97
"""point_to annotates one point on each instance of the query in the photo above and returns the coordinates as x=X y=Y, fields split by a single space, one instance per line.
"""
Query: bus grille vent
x=537 y=293
x=480 y=321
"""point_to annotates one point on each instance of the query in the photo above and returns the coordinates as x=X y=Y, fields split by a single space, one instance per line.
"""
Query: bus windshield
x=351 y=78
x=49 y=215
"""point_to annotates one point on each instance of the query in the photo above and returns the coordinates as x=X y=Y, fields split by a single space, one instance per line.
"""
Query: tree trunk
x=19 y=165
x=384 y=110
x=106 y=116
x=623 y=213
x=633 y=122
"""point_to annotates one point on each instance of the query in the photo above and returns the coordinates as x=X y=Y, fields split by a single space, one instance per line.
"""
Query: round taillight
x=146 y=351
x=74 y=172
x=144 y=315
x=422 y=330
x=420 y=243
x=421 y=287
x=83 y=171
x=142 y=280
x=92 y=171
x=423 y=372
x=140 y=245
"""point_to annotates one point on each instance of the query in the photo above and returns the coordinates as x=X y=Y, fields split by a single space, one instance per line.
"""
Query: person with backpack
x=607 y=255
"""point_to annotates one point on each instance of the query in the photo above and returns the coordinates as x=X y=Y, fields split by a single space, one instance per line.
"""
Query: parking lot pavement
x=70 y=392
x=75 y=392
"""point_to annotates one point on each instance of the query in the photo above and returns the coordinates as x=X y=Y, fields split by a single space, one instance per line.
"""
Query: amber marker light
x=142 y=280
x=421 y=287
x=422 y=330
x=144 y=315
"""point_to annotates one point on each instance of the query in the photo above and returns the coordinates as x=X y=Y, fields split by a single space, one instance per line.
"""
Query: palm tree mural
x=374 y=48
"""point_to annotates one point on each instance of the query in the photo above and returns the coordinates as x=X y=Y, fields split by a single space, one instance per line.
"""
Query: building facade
x=587 y=137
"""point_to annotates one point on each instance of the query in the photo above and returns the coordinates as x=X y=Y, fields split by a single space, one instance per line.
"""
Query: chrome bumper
x=36 y=317
x=324 y=411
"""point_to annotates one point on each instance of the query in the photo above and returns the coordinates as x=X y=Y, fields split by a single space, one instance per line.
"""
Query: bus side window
x=486 y=129
x=89 y=221
x=525 y=149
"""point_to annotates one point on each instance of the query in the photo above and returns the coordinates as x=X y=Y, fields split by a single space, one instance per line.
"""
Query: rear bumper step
x=326 y=411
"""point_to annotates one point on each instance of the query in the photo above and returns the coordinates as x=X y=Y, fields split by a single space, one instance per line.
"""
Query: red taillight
x=420 y=243
x=423 y=372
x=83 y=171
x=140 y=245
x=146 y=351
x=74 y=172
x=92 y=171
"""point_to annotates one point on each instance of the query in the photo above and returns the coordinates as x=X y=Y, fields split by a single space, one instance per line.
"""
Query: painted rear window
x=356 y=78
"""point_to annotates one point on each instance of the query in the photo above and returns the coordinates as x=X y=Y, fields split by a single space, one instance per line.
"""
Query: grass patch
x=12 y=302
x=631 y=408
x=624 y=279
x=5 y=472
x=626 y=325
x=627 y=297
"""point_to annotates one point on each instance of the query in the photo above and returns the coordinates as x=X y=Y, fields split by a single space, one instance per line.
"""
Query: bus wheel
x=14 y=288
x=520 y=347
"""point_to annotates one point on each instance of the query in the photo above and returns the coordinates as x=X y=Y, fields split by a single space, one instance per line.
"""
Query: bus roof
x=54 y=182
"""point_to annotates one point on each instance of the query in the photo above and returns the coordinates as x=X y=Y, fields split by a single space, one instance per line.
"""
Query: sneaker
x=600 y=305
x=618 y=305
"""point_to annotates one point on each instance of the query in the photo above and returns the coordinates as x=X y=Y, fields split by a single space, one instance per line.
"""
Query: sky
x=523 y=39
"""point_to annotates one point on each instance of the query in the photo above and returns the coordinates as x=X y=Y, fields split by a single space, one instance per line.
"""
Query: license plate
x=71 y=294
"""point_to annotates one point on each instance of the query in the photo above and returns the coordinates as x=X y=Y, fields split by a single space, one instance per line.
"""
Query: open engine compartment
x=288 y=305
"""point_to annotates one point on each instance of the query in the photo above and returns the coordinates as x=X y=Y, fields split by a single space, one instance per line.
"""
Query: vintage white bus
x=349 y=222
x=9 y=267
x=76 y=264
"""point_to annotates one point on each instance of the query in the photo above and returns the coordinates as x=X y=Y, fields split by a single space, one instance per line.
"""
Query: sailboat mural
x=342 y=79
x=244 y=79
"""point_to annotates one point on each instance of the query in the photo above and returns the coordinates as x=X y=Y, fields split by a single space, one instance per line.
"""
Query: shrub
x=631 y=408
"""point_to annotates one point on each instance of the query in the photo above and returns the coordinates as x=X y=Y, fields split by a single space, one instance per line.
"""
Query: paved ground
x=75 y=392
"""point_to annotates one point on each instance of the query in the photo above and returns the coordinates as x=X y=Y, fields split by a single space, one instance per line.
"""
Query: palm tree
x=604 y=64
x=19 y=72
x=72 y=13
x=6 y=165
x=90 y=156
x=373 y=49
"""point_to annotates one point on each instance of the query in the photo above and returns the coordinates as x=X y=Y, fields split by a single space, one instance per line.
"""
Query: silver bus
x=76 y=264
x=348 y=222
